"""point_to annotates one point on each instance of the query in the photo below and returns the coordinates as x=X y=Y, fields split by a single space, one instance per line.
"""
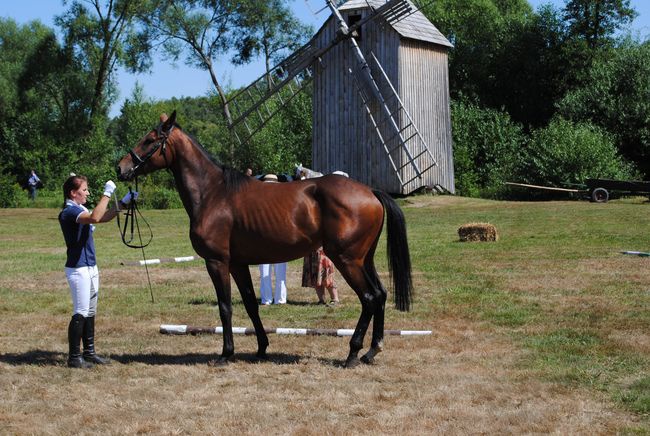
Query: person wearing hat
x=267 y=293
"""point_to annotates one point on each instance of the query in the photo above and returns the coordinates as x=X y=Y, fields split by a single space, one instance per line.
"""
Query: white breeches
x=280 y=296
x=84 y=286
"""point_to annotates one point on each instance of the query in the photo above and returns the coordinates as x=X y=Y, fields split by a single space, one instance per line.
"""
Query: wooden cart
x=599 y=190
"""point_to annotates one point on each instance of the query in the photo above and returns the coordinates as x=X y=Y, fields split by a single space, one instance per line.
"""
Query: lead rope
x=131 y=215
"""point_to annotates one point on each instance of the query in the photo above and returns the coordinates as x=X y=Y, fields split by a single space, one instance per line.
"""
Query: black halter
x=161 y=143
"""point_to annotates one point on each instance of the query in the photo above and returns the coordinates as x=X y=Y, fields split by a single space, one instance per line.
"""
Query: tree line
x=551 y=96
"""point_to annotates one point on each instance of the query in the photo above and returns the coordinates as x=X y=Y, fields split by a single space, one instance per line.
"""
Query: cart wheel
x=600 y=195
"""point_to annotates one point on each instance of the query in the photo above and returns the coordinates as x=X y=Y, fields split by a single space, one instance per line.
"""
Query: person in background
x=317 y=268
x=78 y=225
x=280 y=270
x=318 y=273
x=33 y=183
x=249 y=172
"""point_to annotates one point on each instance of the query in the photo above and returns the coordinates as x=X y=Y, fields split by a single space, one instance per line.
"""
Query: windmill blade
x=396 y=131
x=253 y=106
x=394 y=126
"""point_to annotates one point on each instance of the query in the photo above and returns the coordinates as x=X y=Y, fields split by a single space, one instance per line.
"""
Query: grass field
x=545 y=331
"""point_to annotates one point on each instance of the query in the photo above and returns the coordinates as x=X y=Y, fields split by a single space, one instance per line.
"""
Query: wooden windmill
x=373 y=136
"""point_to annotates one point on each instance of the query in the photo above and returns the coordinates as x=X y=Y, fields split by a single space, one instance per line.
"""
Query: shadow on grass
x=54 y=358
x=35 y=357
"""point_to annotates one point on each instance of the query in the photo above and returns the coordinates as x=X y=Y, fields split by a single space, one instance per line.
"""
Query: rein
x=132 y=213
x=131 y=221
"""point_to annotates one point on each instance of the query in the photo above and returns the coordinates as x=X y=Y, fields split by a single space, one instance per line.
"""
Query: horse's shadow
x=213 y=302
x=55 y=358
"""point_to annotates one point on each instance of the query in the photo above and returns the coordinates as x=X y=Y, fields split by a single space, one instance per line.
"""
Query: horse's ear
x=168 y=123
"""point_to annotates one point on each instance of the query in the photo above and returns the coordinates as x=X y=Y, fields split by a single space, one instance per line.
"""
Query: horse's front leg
x=242 y=276
x=219 y=274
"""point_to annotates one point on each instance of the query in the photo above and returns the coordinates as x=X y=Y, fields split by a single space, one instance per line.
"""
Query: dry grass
x=469 y=377
x=460 y=380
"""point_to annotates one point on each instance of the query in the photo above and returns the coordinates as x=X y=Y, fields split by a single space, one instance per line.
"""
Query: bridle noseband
x=161 y=143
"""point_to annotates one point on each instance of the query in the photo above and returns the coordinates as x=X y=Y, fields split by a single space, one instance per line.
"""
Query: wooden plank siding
x=424 y=89
x=343 y=137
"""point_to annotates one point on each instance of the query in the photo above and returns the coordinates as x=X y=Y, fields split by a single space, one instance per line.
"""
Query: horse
x=237 y=221
x=306 y=173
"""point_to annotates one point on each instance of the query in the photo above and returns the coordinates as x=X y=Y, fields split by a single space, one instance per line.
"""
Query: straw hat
x=270 y=178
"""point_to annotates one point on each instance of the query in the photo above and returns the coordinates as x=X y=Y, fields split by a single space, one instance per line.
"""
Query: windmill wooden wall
x=343 y=137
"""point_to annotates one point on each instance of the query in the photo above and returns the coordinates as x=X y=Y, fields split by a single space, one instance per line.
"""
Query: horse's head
x=151 y=153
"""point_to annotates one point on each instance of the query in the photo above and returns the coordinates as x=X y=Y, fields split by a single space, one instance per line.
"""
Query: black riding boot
x=75 y=329
x=89 y=343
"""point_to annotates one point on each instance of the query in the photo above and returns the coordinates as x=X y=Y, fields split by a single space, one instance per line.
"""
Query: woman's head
x=76 y=188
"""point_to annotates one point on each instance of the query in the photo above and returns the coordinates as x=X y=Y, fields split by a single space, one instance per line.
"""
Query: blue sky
x=166 y=80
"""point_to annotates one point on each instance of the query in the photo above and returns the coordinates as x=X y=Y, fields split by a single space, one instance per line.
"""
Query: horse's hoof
x=261 y=355
x=368 y=360
x=351 y=362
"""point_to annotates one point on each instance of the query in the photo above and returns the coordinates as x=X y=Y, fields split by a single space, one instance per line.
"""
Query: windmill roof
x=414 y=26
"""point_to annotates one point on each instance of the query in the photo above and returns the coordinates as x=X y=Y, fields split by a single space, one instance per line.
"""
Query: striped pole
x=161 y=260
x=637 y=253
x=170 y=329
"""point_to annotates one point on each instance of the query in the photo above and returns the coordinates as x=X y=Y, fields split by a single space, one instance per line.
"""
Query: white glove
x=109 y=188
x=127 y=198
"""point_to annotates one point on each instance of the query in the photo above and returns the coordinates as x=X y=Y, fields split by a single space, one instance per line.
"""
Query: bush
x=616 y=98
x=10 y=192
x=486 y=146
x=164 y=199
x=568 y=153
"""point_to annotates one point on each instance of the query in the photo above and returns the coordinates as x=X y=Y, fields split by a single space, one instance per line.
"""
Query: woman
x=318 y=273
x=318 y=269
x=77 y=225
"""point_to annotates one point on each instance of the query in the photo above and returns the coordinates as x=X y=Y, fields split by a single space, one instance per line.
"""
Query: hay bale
x=473 y=232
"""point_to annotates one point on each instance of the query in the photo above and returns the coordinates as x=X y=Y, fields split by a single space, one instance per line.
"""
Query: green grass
x=555 y=283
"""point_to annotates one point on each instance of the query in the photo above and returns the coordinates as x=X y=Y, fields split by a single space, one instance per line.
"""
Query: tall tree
x=199 y=30
x=616 y=97
x=267 y=29
x=478 y=29
x=595 y=21
x=102 y=35
x=44 y=100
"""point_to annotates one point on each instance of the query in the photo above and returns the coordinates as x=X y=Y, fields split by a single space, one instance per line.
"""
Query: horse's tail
x=399 y=259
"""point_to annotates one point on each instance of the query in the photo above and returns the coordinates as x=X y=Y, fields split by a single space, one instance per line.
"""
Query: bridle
x=161 y=143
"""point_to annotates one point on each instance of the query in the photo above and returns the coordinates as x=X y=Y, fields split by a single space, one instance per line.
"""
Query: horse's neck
x=196 y=177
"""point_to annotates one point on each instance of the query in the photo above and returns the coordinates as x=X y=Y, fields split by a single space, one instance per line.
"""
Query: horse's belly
x=246 y=250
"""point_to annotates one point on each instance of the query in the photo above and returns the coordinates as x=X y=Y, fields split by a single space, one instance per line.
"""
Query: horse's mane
x=233 y=179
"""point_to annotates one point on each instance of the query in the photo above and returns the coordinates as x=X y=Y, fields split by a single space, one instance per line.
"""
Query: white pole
x=172 y=329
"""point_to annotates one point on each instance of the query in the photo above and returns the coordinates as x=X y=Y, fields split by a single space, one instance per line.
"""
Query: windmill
x=392 y=128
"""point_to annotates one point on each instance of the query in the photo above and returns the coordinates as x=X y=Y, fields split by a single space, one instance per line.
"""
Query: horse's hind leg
x=356 y=277
x=242 y=277
x=377 y=344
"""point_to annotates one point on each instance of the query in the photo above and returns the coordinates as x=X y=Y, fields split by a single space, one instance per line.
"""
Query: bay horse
x=237 y=221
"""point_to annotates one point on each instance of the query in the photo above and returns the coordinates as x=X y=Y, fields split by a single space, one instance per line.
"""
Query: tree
x=477 y=29
x=103 y=36
x=199 y=29
x=268 y=29
x=43 y=102
x=616 y=97
x=595 y=21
